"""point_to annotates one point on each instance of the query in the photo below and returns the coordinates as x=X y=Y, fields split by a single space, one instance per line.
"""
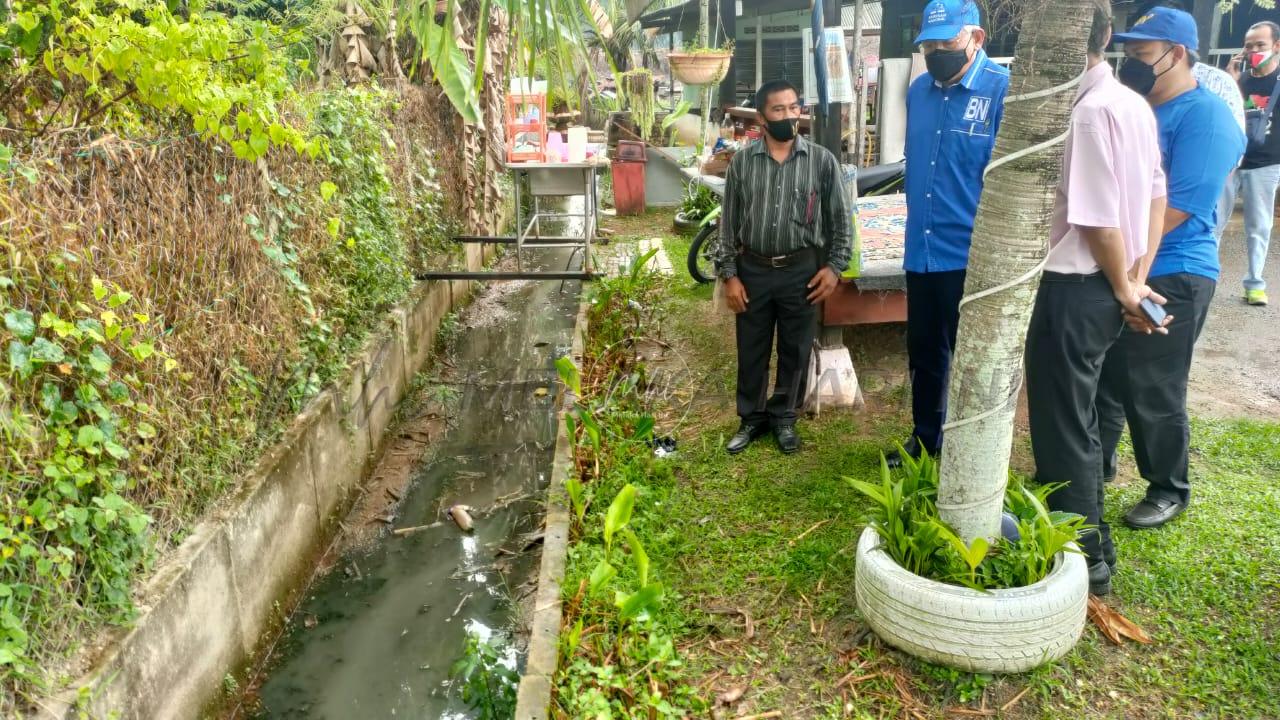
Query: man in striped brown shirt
x=785 y=238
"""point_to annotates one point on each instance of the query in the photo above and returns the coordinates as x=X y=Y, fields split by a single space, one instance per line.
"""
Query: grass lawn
x=774 y=536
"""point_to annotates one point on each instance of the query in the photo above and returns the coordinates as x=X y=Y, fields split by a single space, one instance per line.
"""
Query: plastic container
x=556 y=149
x=577 y=144
x=631 y=150
x=628 y=186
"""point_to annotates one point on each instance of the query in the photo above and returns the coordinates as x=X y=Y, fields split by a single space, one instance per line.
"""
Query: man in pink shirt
x=1101 y=244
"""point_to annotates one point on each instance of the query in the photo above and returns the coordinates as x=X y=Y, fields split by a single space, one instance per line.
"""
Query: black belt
x=778 y=261
x=1051 y=276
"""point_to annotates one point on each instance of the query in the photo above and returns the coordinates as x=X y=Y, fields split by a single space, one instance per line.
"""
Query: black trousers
x=933 y=314
x=776 y=300
x=1144 y=380
x=1075 y=322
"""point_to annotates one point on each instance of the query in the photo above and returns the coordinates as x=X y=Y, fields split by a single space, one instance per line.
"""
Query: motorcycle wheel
x=701 y=266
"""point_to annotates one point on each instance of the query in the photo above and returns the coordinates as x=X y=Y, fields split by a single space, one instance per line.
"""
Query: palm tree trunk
x=1010 y=240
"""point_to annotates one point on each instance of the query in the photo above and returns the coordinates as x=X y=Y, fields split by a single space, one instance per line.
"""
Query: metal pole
x=859 y=103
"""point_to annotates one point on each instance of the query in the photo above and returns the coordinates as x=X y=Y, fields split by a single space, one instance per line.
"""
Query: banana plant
x=545 y=34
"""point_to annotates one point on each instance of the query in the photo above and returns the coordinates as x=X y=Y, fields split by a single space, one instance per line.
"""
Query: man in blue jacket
x=953 y=113
x=1144 y=377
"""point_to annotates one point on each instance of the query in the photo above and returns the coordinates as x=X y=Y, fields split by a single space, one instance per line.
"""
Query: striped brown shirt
x=773 y=208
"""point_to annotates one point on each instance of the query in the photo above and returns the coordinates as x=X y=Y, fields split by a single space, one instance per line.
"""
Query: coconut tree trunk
x=1010 y=240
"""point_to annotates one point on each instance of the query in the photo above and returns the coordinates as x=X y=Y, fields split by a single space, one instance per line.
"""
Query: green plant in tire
x=905 y=516
x=698 y=203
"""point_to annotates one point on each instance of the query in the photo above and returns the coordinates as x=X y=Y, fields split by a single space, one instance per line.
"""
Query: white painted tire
x=999 y=631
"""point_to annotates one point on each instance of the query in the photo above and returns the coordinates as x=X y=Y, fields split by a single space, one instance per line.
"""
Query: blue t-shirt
x=1200 y=144
x=950 y=134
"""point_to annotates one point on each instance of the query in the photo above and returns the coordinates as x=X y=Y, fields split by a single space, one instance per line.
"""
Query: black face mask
x=946 y=64
x=1139 y=76
x=781 y=130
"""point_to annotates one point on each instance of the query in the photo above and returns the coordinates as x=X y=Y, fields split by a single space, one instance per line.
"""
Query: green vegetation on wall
x=195 y=239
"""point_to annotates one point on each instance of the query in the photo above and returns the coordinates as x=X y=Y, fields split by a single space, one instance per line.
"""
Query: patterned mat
x=882 y=227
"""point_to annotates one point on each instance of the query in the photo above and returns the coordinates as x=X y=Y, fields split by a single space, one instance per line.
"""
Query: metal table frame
x=545 y=180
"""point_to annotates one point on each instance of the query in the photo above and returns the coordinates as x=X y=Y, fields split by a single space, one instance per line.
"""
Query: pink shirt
x=1110 y=173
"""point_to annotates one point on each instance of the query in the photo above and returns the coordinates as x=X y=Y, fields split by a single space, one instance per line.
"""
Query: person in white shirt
x=1220 y=83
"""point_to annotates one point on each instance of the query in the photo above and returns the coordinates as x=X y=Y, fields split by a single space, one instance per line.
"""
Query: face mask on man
x=1258 y=59
x=1139 y=76
x=946 y=64
x=781 y=130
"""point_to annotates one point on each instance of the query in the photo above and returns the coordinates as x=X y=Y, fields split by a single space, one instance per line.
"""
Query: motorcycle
x=871 y=181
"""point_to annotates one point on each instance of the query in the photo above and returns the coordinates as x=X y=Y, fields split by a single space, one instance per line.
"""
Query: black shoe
x=788 y=440
x=912 y=447
x=1099 y=578
x=745 y=436
x=1153 y=513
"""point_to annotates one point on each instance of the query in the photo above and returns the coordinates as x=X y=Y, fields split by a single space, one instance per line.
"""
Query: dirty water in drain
x=383 y=629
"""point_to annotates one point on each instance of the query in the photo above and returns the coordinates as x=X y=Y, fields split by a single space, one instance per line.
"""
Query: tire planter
x=686 y=225
x=701 y=68
x=998 y=631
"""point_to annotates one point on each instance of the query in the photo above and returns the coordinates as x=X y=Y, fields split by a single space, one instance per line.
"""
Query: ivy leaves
x=229 y=75
x=66 y=524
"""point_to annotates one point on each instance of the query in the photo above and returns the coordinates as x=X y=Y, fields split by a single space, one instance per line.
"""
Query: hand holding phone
x=1147 y=315
x=1154 y=312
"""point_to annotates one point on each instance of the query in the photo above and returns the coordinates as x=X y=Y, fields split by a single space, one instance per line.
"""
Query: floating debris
x=461 y=516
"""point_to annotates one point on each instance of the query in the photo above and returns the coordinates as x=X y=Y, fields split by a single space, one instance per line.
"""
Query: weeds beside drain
x=617 y=650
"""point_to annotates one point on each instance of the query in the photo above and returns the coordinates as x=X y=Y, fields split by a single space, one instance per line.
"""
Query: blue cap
x=944 y=19
x=1167 y=24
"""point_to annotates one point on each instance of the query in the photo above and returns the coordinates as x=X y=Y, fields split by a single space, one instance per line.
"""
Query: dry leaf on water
x=1114 y=625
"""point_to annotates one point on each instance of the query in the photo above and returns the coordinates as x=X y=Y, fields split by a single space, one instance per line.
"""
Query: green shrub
x=78 y=442
x=905 y=515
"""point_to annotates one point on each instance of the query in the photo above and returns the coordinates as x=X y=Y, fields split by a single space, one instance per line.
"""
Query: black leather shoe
x=1099 y=578
x=912 y=446
x=788 y=440
x=745 y=436
x=1153 y=513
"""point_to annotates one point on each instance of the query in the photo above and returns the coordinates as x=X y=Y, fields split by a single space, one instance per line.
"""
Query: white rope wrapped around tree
x=1006 y=257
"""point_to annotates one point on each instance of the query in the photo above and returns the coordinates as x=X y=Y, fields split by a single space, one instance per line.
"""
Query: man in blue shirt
x=953 y=113
x=1144 y=378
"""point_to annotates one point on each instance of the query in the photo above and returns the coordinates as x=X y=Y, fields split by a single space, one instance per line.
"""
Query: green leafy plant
x=488 y=679
x=125 y=62
x=79 y=441
x=698 y=203
x=905 y=516
x=638 y=91
x=617 y=654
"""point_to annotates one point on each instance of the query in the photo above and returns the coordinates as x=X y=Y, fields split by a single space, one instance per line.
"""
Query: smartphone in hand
x=1155 y=313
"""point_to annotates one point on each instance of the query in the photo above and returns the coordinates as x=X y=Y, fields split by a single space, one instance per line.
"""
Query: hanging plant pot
x=1003 y=631
x=700 y=68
